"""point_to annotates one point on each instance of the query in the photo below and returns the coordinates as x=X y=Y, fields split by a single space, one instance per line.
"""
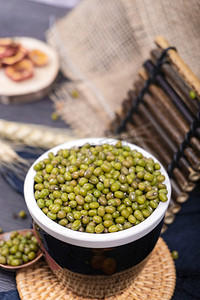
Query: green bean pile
x=98 y=189
x=19 y=249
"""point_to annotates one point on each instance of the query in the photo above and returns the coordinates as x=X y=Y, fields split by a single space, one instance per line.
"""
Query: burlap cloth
x=102 y=44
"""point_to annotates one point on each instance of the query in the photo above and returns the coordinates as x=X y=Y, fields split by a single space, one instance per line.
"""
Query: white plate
x=43 y=76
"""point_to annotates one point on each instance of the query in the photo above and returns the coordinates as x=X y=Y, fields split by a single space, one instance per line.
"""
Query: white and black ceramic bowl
x=79 y=251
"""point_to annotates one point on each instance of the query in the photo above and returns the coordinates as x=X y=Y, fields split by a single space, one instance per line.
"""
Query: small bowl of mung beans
x=18 y=249
x=97 y=205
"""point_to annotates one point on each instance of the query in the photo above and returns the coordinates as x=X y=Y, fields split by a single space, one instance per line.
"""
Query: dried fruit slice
x=6 y=42
x=19 y=55
x=7 y=51
x=8 y=47
x=20 y=71
x=38 y=58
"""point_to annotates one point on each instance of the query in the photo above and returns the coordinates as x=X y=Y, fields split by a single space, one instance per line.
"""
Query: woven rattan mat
x=156 y=281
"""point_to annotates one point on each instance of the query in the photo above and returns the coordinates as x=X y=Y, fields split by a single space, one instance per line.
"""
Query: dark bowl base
x=99 y=286
x=94 y=261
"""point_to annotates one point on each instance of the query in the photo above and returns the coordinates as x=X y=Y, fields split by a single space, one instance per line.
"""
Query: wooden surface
x=182 y=235
x=22 y=18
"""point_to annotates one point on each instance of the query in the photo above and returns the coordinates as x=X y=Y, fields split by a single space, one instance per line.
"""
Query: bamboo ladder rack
x=165 y=101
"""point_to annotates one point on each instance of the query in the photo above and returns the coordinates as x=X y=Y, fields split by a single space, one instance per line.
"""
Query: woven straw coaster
x=156 y=281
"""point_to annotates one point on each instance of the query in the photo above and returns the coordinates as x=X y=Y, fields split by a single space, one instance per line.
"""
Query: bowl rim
x=84 y=239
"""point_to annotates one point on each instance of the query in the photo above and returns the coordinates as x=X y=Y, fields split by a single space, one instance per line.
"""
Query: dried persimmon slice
x=7 y=42
x=38 y=58
x=17 y=57
x=8 y=47
x=20 y=71
x=7 y=51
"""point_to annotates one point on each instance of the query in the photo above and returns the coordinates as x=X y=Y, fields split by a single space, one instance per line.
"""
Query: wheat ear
x=34 y=135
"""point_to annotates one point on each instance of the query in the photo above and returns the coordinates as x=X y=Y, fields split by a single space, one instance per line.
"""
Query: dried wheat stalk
x=34 y=135
x=8 y=155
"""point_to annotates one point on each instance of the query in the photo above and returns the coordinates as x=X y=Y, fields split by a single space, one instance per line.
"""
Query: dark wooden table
x=22 y=18
x=26 y=18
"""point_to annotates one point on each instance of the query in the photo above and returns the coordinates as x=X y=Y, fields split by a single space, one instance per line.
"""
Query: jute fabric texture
x=102 y=44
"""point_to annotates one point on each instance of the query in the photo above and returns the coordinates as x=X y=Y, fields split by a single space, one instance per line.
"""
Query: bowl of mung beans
x=18 y=249
x=97 y=205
